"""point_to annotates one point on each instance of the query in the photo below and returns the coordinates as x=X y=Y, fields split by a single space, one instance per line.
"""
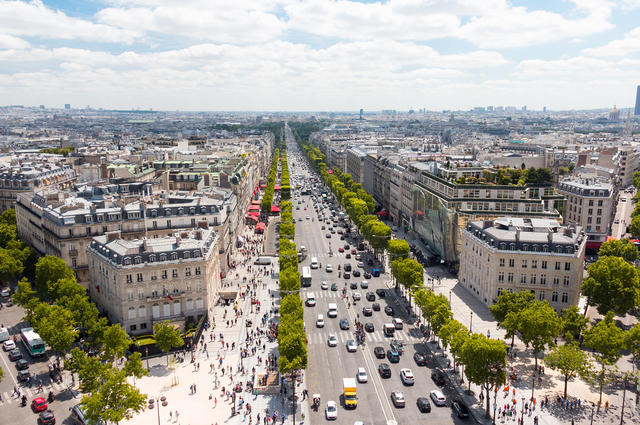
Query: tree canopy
x=619 y=248
x=612 y=285
x=167 y=337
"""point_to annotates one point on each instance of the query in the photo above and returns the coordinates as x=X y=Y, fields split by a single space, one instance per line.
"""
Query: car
x=420 y=359
x=397 y=346
x=362 y=375
x=320 y=321
x=438 y=378
x=364 y=284
x=346 y=275
x=334 y=286
x=47 y=418
x=379 y=352
x=438 y=398
x=347 y=255
x=331 y=411
x=353 y=285
x=356 y=296
x=344 y=324
x=369 y=327
x=360 y=263
x=6 y=292
x=308 y=218
x=8 y=345
x=367 y=311
x=460 y=409
x=389 y=311
x=328 y=268
x=15 y=355
x=328 y=235
x=353 y=251
x=423 y=405
x=393 y=356
x=341 y=249
x=346 y=246
x=352 y=347
x=356 y=273
x=380 y=292
x=23 y=375
x=406 y=376
x=398 y=399
x=617 y=221
x=332 y=341
x=321 y=227
x=384 y=370
x=22 y=364
x=324 y=286
x=370 y=296
x=367 y=275
x=375 y=306
x=39 y=404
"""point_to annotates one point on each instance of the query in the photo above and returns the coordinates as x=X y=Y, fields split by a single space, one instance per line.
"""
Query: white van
x=263 y=261
x=311 y=299
x=397 y=323
x=314 y=262
x=333 y=310
x=4 y=334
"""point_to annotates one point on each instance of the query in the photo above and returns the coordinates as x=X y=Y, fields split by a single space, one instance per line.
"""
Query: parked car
x=460 y=409
x=393 y=356
x=47 y=418
x=389 y=311
x=15 y=355
x=375 y=306
x=420 y=359
x=22 y=364
x=380 y=292
x=406 y=376
x=371 y=296
x=438 y=398
x=367 y=311
x=438 y=377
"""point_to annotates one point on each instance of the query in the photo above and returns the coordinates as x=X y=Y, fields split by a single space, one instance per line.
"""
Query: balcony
x=173 y=295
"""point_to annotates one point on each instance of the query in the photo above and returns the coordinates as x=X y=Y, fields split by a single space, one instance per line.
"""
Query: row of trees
x=292 y=340
x=285 y=183
x=267 y=199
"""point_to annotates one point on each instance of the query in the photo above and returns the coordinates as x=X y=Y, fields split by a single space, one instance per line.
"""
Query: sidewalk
x=207 y=404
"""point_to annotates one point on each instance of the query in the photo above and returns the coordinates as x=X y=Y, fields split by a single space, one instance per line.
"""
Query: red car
x=353 y=251
x=39 y=404
x=341 y=249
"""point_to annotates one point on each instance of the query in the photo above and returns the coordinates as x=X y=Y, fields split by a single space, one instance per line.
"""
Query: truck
x=350 y=397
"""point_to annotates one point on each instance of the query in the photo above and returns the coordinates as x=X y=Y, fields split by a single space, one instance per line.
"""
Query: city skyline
x=319 y=55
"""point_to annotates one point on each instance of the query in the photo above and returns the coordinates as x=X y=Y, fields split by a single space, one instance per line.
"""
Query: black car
x=353 y=285
x=22 y=364
x=47 y=418
x=393 y=356
x=356 y=273
x=15 y=355
x=423 y=405
x=346 y=275
x=420 y=359
x=367 y=275
x=23 y=375
x=438 y=377
x=344 y=324
x=347 y=255
x=369 y=327
x=375 y=306
x=371 y=296
x=460 y=409
x=384 y=370
x=334 y=286
x=389 y=311
x=380 y=292
x=367 y=311
x=379 y=352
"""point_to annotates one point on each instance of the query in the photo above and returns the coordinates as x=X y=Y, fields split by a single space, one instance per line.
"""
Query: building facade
x=140 y=282
x=512 y=254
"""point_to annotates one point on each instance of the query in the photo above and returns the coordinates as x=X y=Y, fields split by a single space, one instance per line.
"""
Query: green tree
x=167 y=337
x=1 y=374
x=56 y=327
x=398 y=248
x=114 y=400
x=116 y=342
x=8 y=233
x=619 y=248
x=570 y=361
x=632 y=341
x=49 y=270
x=26 y=298
x=458 y=341
x=485 y=363
x=291 y=307
x=607 y=340
x=449 y=330
x=9 y=217
x=612 y=285
x=539 y=326
x=634 y=228
x=90 y=370
x=573 y=323
x=441 y=315
x=134 y=367
x=636 y=180
x=511 y=302
x=10 y=266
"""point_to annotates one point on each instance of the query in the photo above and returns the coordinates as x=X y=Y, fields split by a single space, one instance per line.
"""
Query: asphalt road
x=328 y=366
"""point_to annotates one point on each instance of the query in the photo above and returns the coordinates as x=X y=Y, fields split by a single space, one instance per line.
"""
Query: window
x=127 y=261
x=499 y=291
x=143 y=326
x=174 y=256
x=566 y=281
x=130 y=295
x=588 y=220
x=139 y=277
x=533 y=279
x=554 y=297
x=169 y=224
x=557 y=265
x=132 y=313
x=174 y=272
x=154 y=276
x=541 y=296
x=523 y=278
x=543 y=279
x=164 y=274
x=590 y=211
x=186 y=254
x=524 y=264
x=510 y=277
x=598 y=220
x=567 y=266
x=133 y=328
x=187 y=271
x=140 y=294
x=502 y=262
x=600 y=203
x=512 y=262
x=129 y=278
x=197 y=271
x=544 y=264
x=152 y=258
x=501 y=277
x=74 y=262
x=138 y=260
x=556 y=280
x=590 y=202
x=142 y=311
x=534 y=264
x=599 y=211
x=565 y=297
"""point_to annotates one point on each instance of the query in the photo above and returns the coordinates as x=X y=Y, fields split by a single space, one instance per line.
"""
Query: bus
x=305 y=280
x=32 y=342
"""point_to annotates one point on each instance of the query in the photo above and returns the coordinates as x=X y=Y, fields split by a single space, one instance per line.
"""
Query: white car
x=332 y=341
x=331 y=411
x=361 y=264
x=8 y=345
x=406 y=376
x=324 y=285
x=362 y=375
x=352 y=347
x=5 y=292
x=328 y=268
x=356 y=296
x=320 y=321
x=438 y=398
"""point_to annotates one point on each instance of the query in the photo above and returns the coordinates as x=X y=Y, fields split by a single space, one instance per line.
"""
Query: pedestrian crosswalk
x=315 y=337
x=31 y=393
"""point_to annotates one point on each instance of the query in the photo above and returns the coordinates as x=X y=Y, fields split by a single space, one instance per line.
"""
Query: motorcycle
x=24 y=401
x=50 y=398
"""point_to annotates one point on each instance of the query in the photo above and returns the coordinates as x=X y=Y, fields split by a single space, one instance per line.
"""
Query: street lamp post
x=471 y=322
x=449 y=297
x=522 y=415
x=146 y=354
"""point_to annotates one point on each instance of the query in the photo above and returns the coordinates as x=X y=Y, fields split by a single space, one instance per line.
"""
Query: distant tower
x=614 y=115
x=361 y=112
x=67 y=106
x=637 y=111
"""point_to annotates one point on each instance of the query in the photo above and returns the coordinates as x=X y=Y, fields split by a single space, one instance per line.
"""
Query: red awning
x=418 y=212
x=275 y=208
x=262 y=186
x=260 y=226
x=594 y=244
x=254 y=207
x=277 y=187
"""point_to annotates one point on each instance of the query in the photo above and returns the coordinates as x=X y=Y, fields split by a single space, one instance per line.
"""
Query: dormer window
x=174 y=256
x=127 y=261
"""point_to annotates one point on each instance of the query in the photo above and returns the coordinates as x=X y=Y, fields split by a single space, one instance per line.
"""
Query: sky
x=319 y=55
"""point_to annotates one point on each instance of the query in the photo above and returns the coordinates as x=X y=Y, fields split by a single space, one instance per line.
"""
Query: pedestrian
x=215 y=402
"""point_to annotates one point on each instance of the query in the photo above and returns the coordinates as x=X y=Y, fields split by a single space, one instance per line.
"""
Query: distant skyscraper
x=361 y=112
x=41 y=106
x=544 y=109
x=67 y=106
x=637 y=111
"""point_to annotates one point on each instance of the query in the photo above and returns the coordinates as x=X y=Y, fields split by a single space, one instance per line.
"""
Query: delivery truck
x=350 y=398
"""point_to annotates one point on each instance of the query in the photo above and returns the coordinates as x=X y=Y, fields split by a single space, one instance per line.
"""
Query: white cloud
x=11 y=42
x=627 y=45
x=34 y=19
